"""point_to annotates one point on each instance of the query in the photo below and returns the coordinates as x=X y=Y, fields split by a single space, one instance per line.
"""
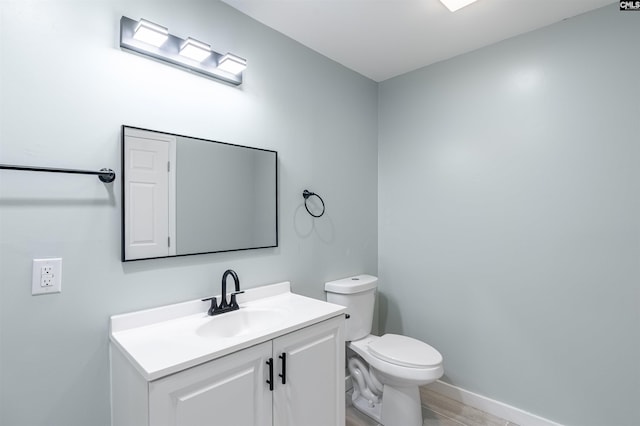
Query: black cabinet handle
x=283 y=357
x=270 y=381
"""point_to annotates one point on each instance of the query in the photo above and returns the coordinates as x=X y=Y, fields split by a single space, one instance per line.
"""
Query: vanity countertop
x=168 y=339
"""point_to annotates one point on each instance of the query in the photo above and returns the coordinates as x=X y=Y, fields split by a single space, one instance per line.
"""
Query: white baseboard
x=490 y=406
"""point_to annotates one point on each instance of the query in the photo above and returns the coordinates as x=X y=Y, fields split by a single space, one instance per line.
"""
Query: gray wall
x=66 y=88
x=509 y=217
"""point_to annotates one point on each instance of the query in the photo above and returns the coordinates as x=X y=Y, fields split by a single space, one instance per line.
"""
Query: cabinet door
x=313 y=392
x=227 y=391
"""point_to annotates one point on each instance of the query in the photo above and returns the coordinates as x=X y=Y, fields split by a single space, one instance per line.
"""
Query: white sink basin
x=241 y=322
x=168 y=339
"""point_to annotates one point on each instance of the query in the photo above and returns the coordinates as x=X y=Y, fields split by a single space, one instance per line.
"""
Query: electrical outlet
x=46 y=276
x=46 y=280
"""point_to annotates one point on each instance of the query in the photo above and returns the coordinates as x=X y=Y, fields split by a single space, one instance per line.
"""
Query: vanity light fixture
x=151 y=33
x=232 y=63
x=155 y=41
x=195 y=49
x=454 y=5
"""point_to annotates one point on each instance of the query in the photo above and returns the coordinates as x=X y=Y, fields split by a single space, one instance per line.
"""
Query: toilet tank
x=358 y=295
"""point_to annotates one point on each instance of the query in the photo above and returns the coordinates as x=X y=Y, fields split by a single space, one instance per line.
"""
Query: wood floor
x=437 y=410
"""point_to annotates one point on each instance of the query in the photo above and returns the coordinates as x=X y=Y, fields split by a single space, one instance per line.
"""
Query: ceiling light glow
x=151 y=33
x=232 y=64
x=196 y=50
x=454 y=5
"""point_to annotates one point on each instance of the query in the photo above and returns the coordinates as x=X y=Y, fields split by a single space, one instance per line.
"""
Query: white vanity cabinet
x=307 y=379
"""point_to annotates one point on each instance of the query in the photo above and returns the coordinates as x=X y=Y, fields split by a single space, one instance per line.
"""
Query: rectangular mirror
x=183 y=195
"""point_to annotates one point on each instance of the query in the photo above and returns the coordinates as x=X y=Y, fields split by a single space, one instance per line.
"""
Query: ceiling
x=381 y=39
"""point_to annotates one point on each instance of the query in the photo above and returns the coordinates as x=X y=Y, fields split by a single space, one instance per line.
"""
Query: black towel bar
x=105 y=175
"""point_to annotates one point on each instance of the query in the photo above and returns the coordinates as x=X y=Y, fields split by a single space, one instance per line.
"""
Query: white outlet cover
x=37 y=276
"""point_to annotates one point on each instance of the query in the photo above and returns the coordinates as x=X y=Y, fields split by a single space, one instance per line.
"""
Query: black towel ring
x=306 y=194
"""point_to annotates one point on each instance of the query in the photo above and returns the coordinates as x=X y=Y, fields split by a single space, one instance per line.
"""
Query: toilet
x=387 y=370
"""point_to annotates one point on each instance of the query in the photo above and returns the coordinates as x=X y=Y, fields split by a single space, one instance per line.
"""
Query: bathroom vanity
x=278 y=360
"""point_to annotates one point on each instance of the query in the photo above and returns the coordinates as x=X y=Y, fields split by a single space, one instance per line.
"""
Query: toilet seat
x=404 y=351
x=394 y=373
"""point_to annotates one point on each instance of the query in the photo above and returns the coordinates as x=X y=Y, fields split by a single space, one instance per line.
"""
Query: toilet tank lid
x=352 y=285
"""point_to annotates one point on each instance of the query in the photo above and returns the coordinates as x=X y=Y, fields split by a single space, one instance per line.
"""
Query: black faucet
x=216 y=309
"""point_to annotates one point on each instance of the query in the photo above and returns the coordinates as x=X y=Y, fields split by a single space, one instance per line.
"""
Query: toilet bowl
x=401 y=364
x=387 y=370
